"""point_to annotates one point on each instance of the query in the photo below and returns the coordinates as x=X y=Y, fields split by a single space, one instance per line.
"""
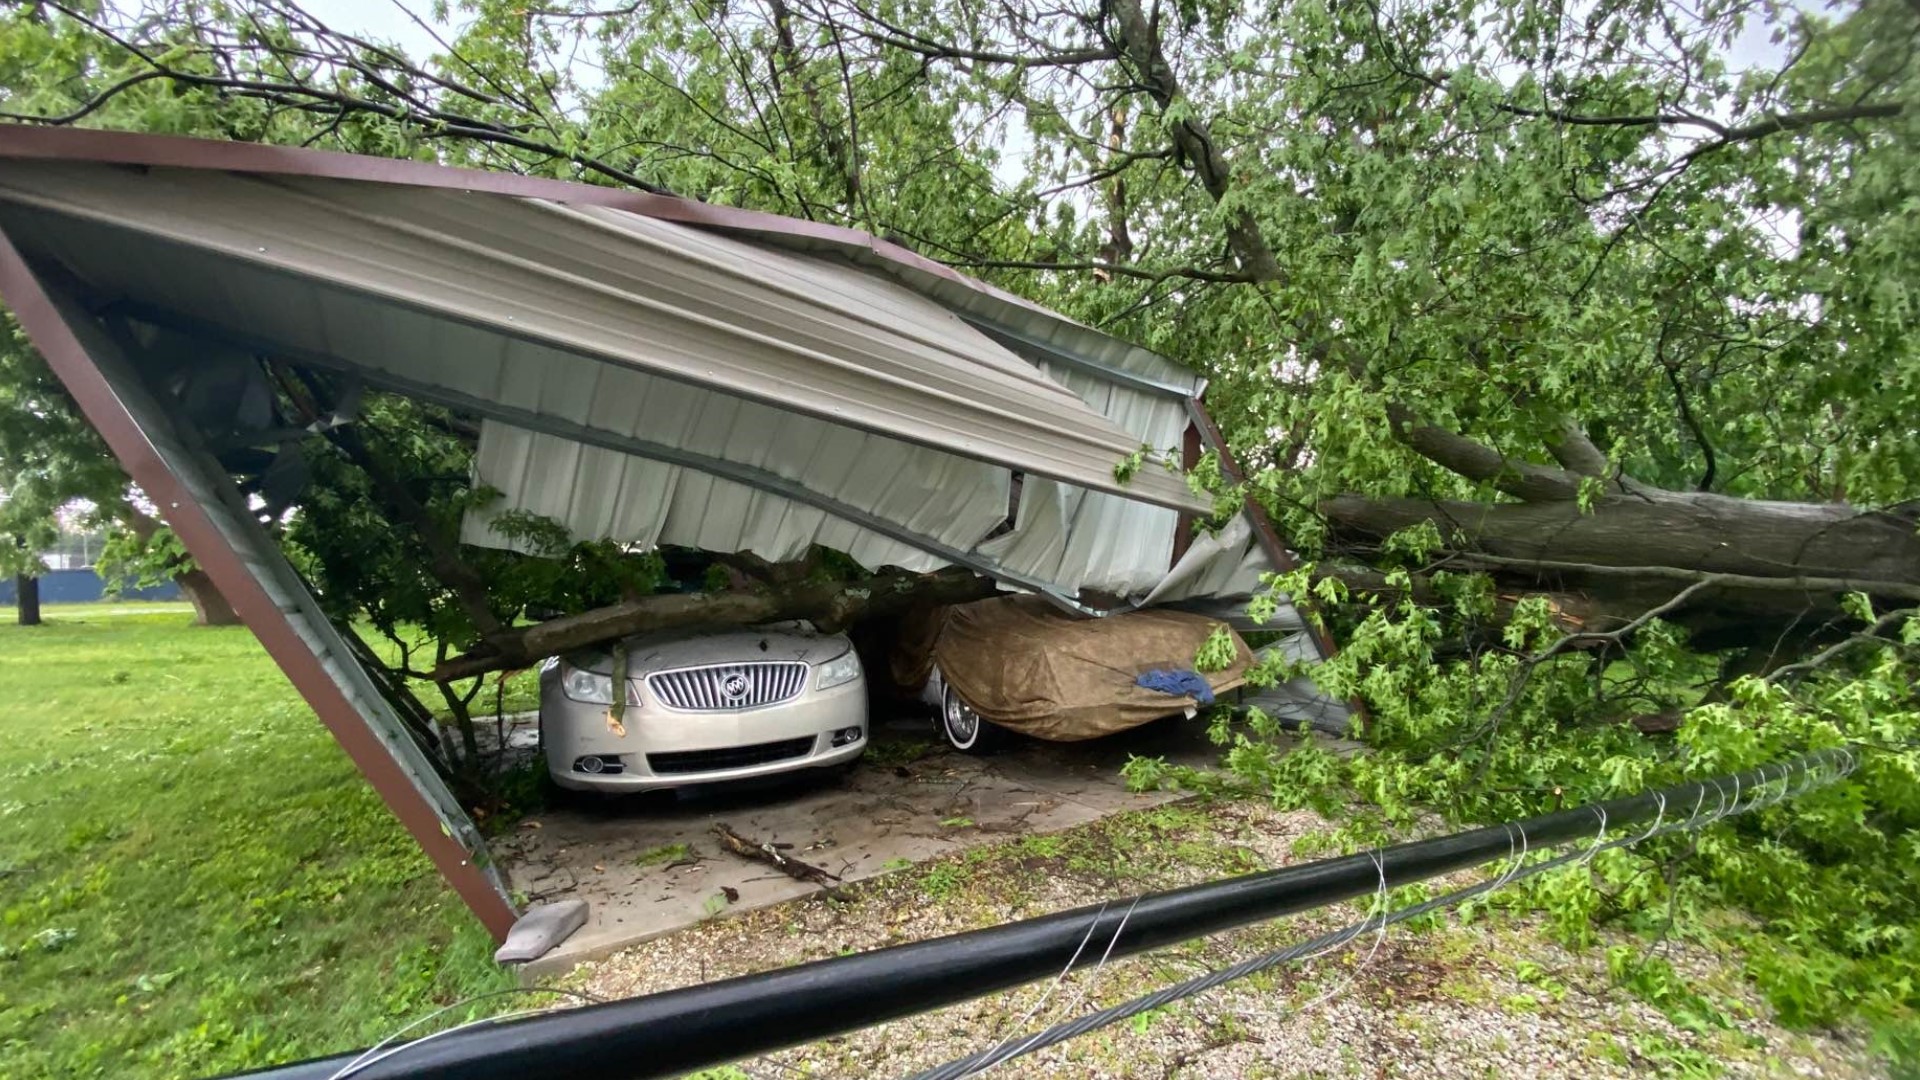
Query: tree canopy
x=1573 y=346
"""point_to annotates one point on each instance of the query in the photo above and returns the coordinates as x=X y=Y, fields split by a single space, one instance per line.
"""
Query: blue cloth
x=1180 y=682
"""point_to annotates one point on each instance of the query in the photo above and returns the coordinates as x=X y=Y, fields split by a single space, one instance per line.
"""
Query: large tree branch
x=1573 y=611
x=1772 y=123
x=1575 y=452
x=1815 y=546
x=1139 y=42
x=1799 y=583
x=830 y=604
x=1479 y=462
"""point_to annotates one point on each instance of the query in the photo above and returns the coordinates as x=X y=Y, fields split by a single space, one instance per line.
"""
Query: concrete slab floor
x=882 y=816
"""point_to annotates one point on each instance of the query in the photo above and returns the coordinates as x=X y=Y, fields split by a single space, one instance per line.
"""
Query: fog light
x=590 y=764
x=846 y=736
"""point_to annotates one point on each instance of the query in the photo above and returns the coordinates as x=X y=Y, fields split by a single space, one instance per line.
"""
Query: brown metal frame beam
x=46 y=326
x=1190 y=451
x=1268 y=537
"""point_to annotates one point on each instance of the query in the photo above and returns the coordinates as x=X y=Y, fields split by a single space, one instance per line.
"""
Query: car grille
x=729 y=687
x=729 y=757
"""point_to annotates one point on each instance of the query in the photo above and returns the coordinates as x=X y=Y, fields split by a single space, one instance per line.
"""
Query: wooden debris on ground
x=771 y=855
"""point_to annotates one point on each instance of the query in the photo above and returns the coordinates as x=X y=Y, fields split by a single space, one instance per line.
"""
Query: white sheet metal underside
x=604 y=494
x=1091 y=540
x=1070 y=538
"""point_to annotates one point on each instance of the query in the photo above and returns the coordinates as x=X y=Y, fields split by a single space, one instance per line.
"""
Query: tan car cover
x=1026 y=665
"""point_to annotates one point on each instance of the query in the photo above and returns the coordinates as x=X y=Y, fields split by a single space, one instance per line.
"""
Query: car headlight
x=586 y=687
x=841 y=669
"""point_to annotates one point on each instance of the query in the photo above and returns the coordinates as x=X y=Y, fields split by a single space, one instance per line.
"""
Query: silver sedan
x=726 y=705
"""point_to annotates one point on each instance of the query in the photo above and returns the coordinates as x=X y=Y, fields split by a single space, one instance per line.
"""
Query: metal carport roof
x=896 y=401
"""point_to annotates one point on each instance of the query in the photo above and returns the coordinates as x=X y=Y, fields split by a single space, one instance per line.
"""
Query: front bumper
x=665 y=748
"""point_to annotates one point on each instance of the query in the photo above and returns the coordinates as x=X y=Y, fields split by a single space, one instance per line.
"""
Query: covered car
x=1018 y=663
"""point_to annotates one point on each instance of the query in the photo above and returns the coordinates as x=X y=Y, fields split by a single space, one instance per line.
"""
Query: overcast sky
x=383 y=19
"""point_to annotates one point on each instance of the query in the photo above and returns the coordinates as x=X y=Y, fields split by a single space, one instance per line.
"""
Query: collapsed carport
x=645 y=369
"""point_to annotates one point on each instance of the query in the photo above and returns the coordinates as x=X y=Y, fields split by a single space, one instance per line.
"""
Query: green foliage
x=130 y=559
x=1506 y=734
x=49 y=457
x=1654 y=980
x=368 y=565
x=944 y=880
x=1218 y=652
x=1671 y=1058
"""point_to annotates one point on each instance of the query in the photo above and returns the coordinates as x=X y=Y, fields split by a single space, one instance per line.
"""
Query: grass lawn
x=193 y=878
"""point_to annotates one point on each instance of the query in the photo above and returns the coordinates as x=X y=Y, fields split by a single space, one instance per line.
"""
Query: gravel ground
x=1495 y=998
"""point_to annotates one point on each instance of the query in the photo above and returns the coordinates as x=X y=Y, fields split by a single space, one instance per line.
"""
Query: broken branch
x=770 y=854
x=829 y=604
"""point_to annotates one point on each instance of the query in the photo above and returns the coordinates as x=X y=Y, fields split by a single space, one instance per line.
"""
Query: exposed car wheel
x=966 y=730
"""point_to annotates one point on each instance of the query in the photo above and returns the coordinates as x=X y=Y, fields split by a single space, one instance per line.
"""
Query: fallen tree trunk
x=831 y=605
x=1725 y=611
x=1710 y=534
x=1743 y=571
x=1573 y=611
x=1773 y=571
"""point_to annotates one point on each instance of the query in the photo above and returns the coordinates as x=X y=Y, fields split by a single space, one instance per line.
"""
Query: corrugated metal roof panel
x=990 y=305
x=598 y=493
x=386 y=280
x=1092 y=540
x=712 y=312
x=946 y=285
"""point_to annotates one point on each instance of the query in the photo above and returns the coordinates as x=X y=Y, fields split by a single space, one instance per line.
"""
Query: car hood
x=663 y=652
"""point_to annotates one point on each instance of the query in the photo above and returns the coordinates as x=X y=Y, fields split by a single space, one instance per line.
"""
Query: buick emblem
x=735 y=687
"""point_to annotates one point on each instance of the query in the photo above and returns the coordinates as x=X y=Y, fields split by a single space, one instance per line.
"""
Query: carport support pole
x=47 y=326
